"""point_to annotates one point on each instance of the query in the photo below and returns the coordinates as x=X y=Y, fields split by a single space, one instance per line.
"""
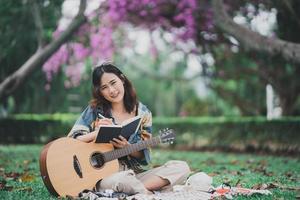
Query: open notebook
x=127 y=128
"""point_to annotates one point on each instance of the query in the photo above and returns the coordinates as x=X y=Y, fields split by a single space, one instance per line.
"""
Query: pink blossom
x=80 y=52
x=74 y=72
x=52 y=66
x=95 y=40
x=83 y=30
x=102 y=44
x=47 y=87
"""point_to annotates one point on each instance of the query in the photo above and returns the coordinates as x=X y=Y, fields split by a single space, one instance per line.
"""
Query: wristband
x=77 y=133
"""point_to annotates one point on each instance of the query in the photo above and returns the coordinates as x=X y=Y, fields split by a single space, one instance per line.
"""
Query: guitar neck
x=118 y=153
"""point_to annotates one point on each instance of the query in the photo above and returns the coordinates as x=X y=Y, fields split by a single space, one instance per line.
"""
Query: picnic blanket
x=197 y=187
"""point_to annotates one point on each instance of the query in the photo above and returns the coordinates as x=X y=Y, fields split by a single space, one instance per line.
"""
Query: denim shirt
x=85 y=125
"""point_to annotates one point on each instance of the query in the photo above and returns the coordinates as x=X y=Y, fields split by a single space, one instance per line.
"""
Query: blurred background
x=224 y=74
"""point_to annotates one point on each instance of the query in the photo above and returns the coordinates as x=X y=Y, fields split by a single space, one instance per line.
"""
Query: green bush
x=34 y=128
x=240 y=133
x=192 y=132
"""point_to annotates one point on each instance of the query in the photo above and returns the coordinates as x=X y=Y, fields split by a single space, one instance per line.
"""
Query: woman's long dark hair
x=130 y=98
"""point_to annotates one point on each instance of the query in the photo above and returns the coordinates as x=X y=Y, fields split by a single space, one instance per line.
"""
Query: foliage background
x=235 y=82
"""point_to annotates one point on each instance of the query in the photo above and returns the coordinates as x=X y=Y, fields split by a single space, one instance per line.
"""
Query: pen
x=101 y=116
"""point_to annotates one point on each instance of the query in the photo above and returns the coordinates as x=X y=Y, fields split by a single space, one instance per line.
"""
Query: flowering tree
x=205 y=23
x=95 y=38
x=185 y=19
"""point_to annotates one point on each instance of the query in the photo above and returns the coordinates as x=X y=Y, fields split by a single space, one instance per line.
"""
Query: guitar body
x=68 y=166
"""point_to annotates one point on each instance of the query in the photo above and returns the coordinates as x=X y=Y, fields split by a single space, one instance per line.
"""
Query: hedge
x=250 y=133
x=191 y=132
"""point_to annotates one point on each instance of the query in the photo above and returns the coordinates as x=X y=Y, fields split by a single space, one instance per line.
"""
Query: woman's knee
x=115 y=179
x=180 y=166
x=124 y=181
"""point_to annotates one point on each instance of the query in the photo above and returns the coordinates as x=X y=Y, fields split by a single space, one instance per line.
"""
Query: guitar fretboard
x=118 y=153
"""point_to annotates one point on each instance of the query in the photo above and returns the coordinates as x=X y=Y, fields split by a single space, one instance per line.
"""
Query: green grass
x=20 y=177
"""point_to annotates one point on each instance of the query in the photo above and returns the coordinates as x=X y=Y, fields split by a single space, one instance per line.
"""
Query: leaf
x=263 y=163
x=234 y=162
x=2 y=184
x=263 y=170
x=27 y=189
x=288 y=174
x=26 y=162
x=214 y=174
x=12 y=175
x=261 y=186
x=237 y=173
x=26 y=178
x=4 y=187
x=277 y=185
x=237 y=184
x=210 y=162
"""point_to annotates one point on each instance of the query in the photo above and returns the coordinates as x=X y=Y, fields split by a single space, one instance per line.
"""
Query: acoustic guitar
x=68 y=166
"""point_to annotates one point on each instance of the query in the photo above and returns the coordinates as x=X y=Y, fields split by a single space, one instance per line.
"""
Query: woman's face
x=112 y=88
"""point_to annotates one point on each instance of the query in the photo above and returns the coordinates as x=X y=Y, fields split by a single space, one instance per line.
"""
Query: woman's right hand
x=92 y=135
x=105 y=121
x=88 y=137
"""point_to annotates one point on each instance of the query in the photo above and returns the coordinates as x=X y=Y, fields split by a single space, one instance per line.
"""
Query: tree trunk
x=13 y=81
x=251 y=40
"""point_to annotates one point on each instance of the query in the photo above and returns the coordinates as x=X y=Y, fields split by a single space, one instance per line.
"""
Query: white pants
x=175 y=171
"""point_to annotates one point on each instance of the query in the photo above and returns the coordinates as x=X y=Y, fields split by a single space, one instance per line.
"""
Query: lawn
x=20 y=179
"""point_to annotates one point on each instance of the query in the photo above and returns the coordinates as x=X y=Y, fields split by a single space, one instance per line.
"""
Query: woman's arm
x=92 y=135
x=88 y=137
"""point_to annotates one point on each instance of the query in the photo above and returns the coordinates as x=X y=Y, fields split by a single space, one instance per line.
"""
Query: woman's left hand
x=120 y=142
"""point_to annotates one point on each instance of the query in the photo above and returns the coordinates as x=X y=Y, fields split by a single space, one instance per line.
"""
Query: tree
x=206 y=23
x=13 y=81
x=251 y=40
x=277 y=59
x=262 y=49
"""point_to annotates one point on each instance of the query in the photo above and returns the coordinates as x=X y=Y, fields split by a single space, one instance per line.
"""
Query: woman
x=114 y=98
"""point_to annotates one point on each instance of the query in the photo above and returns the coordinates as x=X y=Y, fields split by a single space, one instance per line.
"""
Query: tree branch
x=291 y=10
x=38 y=23
x=13 y=81
x=251 y=40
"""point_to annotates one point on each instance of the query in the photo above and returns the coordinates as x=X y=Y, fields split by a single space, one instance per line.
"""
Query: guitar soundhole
x=97 y=160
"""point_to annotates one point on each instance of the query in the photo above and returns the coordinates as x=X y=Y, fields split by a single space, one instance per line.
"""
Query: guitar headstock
x=167 y=135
